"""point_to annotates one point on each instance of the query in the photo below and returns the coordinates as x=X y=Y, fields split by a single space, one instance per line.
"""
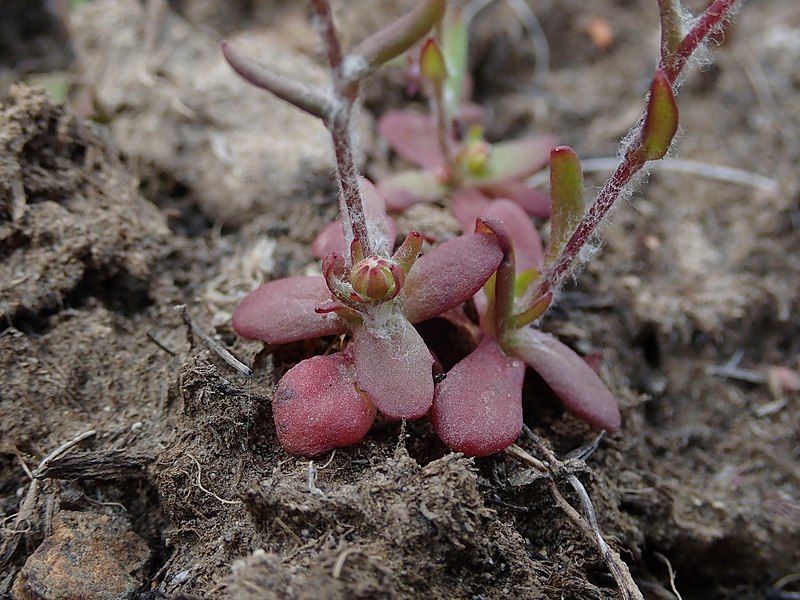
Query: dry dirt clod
x=209 y=132
x=87 y=556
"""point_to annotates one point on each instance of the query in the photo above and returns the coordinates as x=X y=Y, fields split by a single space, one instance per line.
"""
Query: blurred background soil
x=148 y=189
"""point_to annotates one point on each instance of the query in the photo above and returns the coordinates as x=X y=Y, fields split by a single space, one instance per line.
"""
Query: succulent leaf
x=514 y=159
x=282 y=311
x=566 y=195
x=449 y=275
x=477 y=409
x=568 y=375
x=394 y=366
x=432 y=65
x=661 y=118
x=318 y=407
x=397 y=37
x=413 y=137
x=409 y=187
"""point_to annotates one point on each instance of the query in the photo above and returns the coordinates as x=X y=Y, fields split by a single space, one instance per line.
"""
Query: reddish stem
x=339 y=125
x=708 y=22
x=632 y=162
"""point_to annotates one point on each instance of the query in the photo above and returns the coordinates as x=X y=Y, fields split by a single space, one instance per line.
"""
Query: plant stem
x=708 y=22
x=632 y=161
x=443 y=130
x=339 y=125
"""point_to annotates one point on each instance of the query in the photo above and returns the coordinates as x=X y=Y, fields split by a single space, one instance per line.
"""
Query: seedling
x=478 y=407
x=375 y=294
x=456 y=162
x=369 y=292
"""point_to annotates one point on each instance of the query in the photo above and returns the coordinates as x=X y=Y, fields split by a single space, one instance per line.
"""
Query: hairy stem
x=632 y=161
x=443 y=130
x=339 y=124
x=708 y=22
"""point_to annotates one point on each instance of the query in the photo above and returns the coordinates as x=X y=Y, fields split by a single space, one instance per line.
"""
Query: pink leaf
x=467 y=205
x=331 y=239
x=409 y=187
x=535 y=203
x=516 y=159
x=413 y=136
x=317 y=406
x=527 y=244
x=569 y=376
x=477 y=409
x=282 y=311
x=449 y=275
x=394 y=367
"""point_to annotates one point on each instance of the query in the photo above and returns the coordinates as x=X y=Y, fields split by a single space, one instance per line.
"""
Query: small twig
x=541 y=47
x=60 y=450
x=677 y=165
x=151 y=336
x=218 y=348
x=209 y=492
x=670 y=572
x=591 y=530
x=28 y=505
x=312 y=481
x=342 y=558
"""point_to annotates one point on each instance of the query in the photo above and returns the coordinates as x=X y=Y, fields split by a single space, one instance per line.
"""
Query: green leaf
x=661 y=119
x=566 y=194
x=513 y=159
x=432 y=64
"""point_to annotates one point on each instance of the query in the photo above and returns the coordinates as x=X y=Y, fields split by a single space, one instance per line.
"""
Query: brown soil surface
x=119 y=232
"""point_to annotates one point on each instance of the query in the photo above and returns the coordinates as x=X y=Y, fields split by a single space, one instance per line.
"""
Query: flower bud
x=376 y=279
x=476 y=157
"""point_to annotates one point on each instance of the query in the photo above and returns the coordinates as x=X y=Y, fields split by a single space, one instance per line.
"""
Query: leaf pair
x=386 y=362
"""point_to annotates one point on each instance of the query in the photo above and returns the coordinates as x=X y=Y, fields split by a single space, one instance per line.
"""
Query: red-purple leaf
x=282 y=311
x=449 y=275
x=394 y=366
x=527 y=244
x=412 y=136
x=535 y=203
x=317 y=406
x=515 y=159
x=409 y=187
x=477 y=409
x=569 y=376
x=467 y=205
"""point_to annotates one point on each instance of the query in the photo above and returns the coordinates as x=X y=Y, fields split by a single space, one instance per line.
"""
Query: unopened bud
x=376 y=279
x=476 y=157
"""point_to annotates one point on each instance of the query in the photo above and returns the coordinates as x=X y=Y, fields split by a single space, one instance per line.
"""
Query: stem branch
x=632 y=161
x=339 y=125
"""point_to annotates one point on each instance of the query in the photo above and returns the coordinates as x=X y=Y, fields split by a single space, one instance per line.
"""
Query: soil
x=127 y=239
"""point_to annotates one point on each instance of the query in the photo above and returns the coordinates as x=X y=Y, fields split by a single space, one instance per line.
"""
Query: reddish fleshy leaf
x=413 y=136
x=331 y=239
x=394 y=366
x=282 y=311
x=569 y=376
x=516 y=159
x=467 y=205
x=535 y=203
x=449 y=275
x=318 y=407
x=527 y=244
x=661 y=118
x=409 y=187
x=477 y=409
